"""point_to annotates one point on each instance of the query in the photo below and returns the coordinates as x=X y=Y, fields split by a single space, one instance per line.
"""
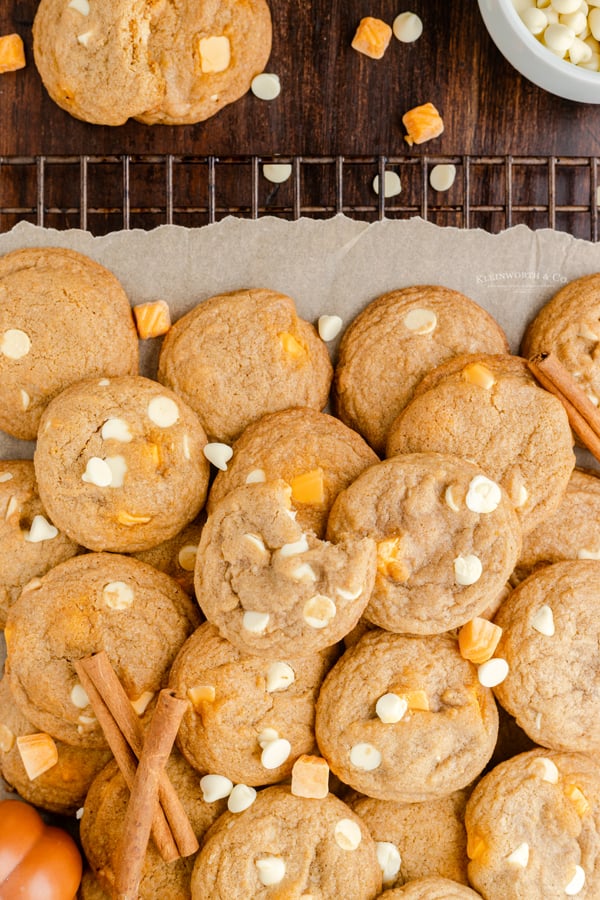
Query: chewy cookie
x=532 y=828
x=30 y=544
x=431 y=888
x=271 y=588
x=236 y=357
x=551 y=631
x=418 y=839
x=447 y=539
x=176 y=64
x=405 y=718
x=490 y=410
x=391 y=345
x=100 y=601
x=240 y=704
x=63 y=317
x=288 y=846
x=317 y=455
x=120 y=463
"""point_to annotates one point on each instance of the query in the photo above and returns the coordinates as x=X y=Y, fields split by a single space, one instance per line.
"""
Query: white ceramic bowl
x=532 y=59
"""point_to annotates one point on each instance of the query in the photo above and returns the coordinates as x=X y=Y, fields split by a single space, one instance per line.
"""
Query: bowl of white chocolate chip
x=553 y=43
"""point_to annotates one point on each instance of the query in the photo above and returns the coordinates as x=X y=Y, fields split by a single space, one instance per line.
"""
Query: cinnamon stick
x=126 y=761
x=584 y=417
x=98 y=667
x=143 y=800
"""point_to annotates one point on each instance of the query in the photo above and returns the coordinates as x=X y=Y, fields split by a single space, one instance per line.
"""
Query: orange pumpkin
x=37 y=861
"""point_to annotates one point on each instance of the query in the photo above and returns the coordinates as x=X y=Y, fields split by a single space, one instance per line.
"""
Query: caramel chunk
x=372 y=37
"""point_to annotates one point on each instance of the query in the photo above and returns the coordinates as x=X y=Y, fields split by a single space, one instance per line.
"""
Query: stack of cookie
x=391 y=666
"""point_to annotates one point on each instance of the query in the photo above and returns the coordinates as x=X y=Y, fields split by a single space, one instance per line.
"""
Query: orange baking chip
x=12 y=53
x=372 y=37
x=423 y=123
x=152 y=319
x=478 y=639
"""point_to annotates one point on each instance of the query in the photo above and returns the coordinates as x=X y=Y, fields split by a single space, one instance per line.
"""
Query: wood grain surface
x=333 y=100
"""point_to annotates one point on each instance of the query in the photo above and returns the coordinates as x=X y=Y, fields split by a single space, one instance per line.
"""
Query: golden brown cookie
x=100 y=601
x=286 y=846
x=317 y=455
x=271 y=588
x=405 y=718
x=490 y=410
x=431 y=888
x=447 y=539
x=29 y=543
x=63 y=317
x=120 y=463
x=391 y=345
x=532 y=828
x=236 y=357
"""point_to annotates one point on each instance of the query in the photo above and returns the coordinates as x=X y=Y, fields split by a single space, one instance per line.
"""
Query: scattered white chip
x=329 y=327
x=420 y=321
x=104 y=382
x=14 y=344
x=347 y=834
x=442 y=177
x=407 y=27
x=279 y=677
x=392 y=186
x=467 y=569
x=256 y=476
x=271 y=870
x=543 y=621
x=294 y=548
x=255 y=622
x=79 y=813
x=185 y=443
x=348 y=593
x=493 y=672
x=266 y=86
x=163 y=411
x=520 y=856
x=451 y=497
x=25 y=399
x=215 y=787
x=575 y=886
x=5 y=476
x=303 y=574
x=588 y=554
x=97 y=472
x=11 y=507
x=275 y=753
x=116 y=430
x=79 y=698
x=40 y=530
x=118 y=468
x=547 y=769
x=391 y=708
x=365 y=756
x=118 y=595
x=141 y=703
x=266 y=736
x=389 y=859
x=255 y=541
x=318 y=611
x=277 y=173
x=81 y=6
x=84 y=38
x=218 y=454
x=240 y=798
x=187 y=557
x=484 y=495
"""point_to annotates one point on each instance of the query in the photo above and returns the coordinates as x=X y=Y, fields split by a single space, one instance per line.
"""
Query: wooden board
x=333 y=100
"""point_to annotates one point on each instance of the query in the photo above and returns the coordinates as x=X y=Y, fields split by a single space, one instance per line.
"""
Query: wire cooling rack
x=108 y=193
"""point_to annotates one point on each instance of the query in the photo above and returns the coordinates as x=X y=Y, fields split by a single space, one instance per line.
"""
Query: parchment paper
x=333 y=266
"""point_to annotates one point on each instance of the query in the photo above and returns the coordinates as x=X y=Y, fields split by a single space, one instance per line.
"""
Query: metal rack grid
x=108 y=193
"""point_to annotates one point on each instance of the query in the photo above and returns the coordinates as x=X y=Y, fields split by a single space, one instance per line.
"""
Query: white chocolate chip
x=392 y=186
x=218 y=454
x=163 y=411
x=187 y=557
x=593 y=398
x=520 y=496
x=294 y=548
x=547 y=769
x=87 y=720
x=588 y=554
x=389 y=859
x=275 y=753
x=319 y=611
x=420 y=321
x=277 y=173
x=575 y=886
x=215 y=54
x=11 y=507
x=256 y=476
x=586 y=332
x=118 y=469
x=82 y=6
x=484 y=495
x=451 y=497
x=407 y=27
x=348 y=593
x=266 y=86
x=141 y=703
x=41 y=530
x=391 y=708
x=79 y=814
x=79 y=698
x=104 y=382
x=118 y=595
x=240 y=798
x=25 y=399
x=538 y=721
x=492 y=672
x=279 y=677
x=255 y=622
x=303 y=574
x=347 y=834
x=7 y=739
x=97 y=472
x=185 y=444
x=267 y=736
x=5 y=476
x=33 y=585
x=270 y=870
x=329 y=327
x=255 y=541
x=543 y=621
x=467 y=569
x=84 y=38
x=15 y=344
x=215 y=787
x=116 y=430
x=520 y=856
x=365 y=756
x=442 y=177
x=558 y=38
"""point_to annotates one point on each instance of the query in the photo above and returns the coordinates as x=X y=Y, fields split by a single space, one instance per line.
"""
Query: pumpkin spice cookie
x=405 y=718
x=48 y=773
x=317 y=455
x=63 y=317
x=100 y=601
x=271 y=588
x=432 y=888
x=392 y=343
x=250 y=718
x=551 y=631
x=489 y=409
x=288 y=846
x=120 y=463
x=532 y=828
x=29 y=543
x=447 y=539
x=235 y=357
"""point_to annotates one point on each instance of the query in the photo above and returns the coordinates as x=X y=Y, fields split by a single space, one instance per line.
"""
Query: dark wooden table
x=333 y=100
